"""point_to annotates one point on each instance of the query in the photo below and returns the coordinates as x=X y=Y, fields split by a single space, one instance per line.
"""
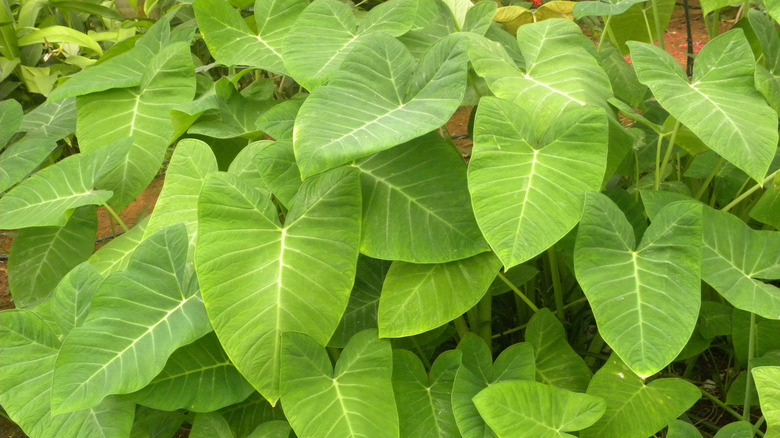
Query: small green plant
x=323 y=262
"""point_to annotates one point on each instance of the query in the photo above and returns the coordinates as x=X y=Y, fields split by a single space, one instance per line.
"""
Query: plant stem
x=420 y=353
x=748 y=375
x=604 y=31
x=709 y=179
x=750 y=191
x=668 y=154
x=575 y=302
x=657 y=18
x=657 y=185
x=461 y=327
x=485 y=328
x=720 y=404
x=510 y=331
x=518 y=292
x=758 y=424
x=116 y=217
x=594 y=349
x=556 y=281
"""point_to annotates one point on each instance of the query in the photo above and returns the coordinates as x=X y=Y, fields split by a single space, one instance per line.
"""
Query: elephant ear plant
x=323 y=261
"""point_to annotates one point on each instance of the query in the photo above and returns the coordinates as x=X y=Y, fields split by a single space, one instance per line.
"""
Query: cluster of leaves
x=323 y=262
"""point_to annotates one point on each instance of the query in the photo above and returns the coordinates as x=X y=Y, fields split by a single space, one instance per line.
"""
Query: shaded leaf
x=557 y=363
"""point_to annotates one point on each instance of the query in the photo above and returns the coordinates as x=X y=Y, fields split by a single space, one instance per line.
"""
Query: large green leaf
x=48 y=197
x=767 y=75
x=129 y=333
x=557 y=363
x=246 y=416
x=721 y=106
x=232 y=42
x=645 y=298
x=417 y=298
x=518 y=409
x=422 y=182
x=636 y=410
x=141 y=113
x=11 y=116
x=116 y=254
x=682 y=429
x=40 y=257
x=235 y=115
x=28 y=350
x=327 y=31
x=52 y=119
x=178 y=200
x=603 y=8
x=425 y=402
x=768 y=386
x=278 y=171
x=261 y=278
x=71 y=300
x=735 y=258
x=279 y=121
x=22 y=158
x=638 y=23
x=378 y=99
x=198 y=377
x=737 y=429
x=477 y=372
x=353 y=400
x=528 y=191
x=362 y=309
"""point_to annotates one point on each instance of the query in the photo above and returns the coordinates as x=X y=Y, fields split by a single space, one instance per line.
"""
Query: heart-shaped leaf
x=232 y=42
x=417 y=298
x=425 y=402
x=721 y=106
x=527 y=191
x=291 y=277
x=129 y=333
x=645 y=298
x=379 y=99
x=735 y=258
x=522 y=408
x=355 y=399
x=634 y=409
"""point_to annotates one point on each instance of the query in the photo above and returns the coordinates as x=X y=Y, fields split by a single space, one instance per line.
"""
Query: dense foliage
x=324 y=262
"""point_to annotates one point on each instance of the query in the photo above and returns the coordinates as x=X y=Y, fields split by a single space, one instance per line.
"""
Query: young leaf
x=721 y=106
x=735 y=258
x=40 y=257
x=636 y=410
x=397 y=186
x=198 y=377
x=232 y=42
x=377 y=100
x=522 y=408
x=425 y=403
x=355 y=399
x=141 y=113
x=129 y=333
x=478 y=372
x=291 y=277
x=557 y=364
x=22 y=158
x=768 y=386
x=48 y=197
x=417 y=298
x=528 y=193
x=326 y=32
x=645 y=298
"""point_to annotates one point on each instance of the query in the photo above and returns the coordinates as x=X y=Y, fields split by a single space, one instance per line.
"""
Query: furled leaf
x=116 y=254
x=557 y=364
x=378 y=99
x=645 y=298
x=49 y=197
x=41 y=256
x=425 y=402
x=636 y=410
x=327 y=31
x=52 y=119
x=232 y=42
x=129 y=332
x=768 y=385
x=198 y=377
x=397 y=186
x=721 y=105
x=522 y=408
x=417 y=298
x=356 y=399
x=11 y=116
x=178 y=201
x=735 y=258
x=141 y=113
x=28 y=350
x=291 y=277
x=528 y=191
x=478 y=372
x=22 y=158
